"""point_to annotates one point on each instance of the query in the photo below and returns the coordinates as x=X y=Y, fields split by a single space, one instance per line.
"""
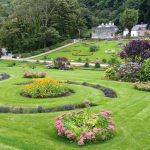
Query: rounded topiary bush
x=85 y=127
x=45 y=87
x=94 y=48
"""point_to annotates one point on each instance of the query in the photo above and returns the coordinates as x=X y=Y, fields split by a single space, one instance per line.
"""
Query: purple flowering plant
x=136 y=51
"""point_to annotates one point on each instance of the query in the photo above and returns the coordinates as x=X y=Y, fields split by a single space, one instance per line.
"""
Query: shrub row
x=34 y=75
x=107 y=91
x=40 y=109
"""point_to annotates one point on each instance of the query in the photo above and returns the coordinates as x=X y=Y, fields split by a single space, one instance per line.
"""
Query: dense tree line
x=27 y=25
x=34 y=24
x=106 y=10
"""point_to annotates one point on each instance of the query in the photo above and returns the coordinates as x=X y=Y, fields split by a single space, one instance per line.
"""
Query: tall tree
x=35 y=24
x=129 y=18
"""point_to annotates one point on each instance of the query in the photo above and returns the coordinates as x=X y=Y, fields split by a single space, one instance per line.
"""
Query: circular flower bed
x=85 y=127
x=44 y=88
x=143 y=86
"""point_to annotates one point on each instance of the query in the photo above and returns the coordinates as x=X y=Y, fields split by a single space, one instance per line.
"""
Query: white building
x=105 y=31
x=137 y=31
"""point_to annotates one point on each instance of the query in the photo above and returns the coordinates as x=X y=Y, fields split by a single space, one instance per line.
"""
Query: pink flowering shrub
x=86 y=127
x=143 y=86
x=34 y=74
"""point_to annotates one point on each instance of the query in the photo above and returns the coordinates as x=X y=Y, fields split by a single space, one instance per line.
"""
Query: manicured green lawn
x=84 y=48
x=36 y=131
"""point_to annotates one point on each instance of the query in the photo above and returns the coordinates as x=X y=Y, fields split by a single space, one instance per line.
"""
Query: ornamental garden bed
x=79 y=53
x=4 y=76
x=107 y=91
x=40 y=109
x=46 y=88
x=29 y=74
x=110 y=51
x=142 y=86
x=85 y=127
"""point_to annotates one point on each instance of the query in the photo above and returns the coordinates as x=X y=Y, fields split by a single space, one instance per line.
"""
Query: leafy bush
x=145 y=73
x=143 y=86
x=12 y=64
x=79 y=60
x=94 y=48
x=86 y=65
x=61 y=63
x=44 y=88
x=114 y=62
x=34 y=75
x=85 y=127
x=111 y=73
x=104 y=61
x=136 y=51
x=130 y=72
x=97 y=65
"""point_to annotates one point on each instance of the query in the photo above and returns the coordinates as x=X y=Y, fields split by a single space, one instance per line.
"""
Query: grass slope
x=36 y=131
x=84 y=48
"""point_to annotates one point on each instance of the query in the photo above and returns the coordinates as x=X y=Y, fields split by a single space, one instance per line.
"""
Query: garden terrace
x=82 y=50
x=36 y=131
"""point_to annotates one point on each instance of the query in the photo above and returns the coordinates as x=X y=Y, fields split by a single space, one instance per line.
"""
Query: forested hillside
x=4 y=10
x=106 y=10
x=28 y=25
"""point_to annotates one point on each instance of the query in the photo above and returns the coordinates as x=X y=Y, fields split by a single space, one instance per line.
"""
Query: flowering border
x=107 y=91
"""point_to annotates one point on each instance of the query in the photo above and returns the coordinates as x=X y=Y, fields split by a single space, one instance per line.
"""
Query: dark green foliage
x=38 y=24
x=99 y=11
x=0 y=52
x=114 y=62
x=94 y=48
x=97 y=65
x=145 y=73
x=104 y=60
x=86 y=65
x=12 y=64
x=129 y=18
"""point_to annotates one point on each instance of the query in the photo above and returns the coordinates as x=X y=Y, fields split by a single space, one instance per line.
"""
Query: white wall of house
x=134 y=34
x=125 y=33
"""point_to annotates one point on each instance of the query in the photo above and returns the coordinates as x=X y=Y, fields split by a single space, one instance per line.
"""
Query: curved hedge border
x=79 y=53
x=107 y=91
x=40 y=109
x=4 y=76
x=69 y=92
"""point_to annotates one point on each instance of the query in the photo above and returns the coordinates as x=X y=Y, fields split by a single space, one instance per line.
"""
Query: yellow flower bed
x=45 y=87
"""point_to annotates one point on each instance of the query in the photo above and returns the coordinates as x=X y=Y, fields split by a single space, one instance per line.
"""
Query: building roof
x=107 y=25
x=139 y=27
